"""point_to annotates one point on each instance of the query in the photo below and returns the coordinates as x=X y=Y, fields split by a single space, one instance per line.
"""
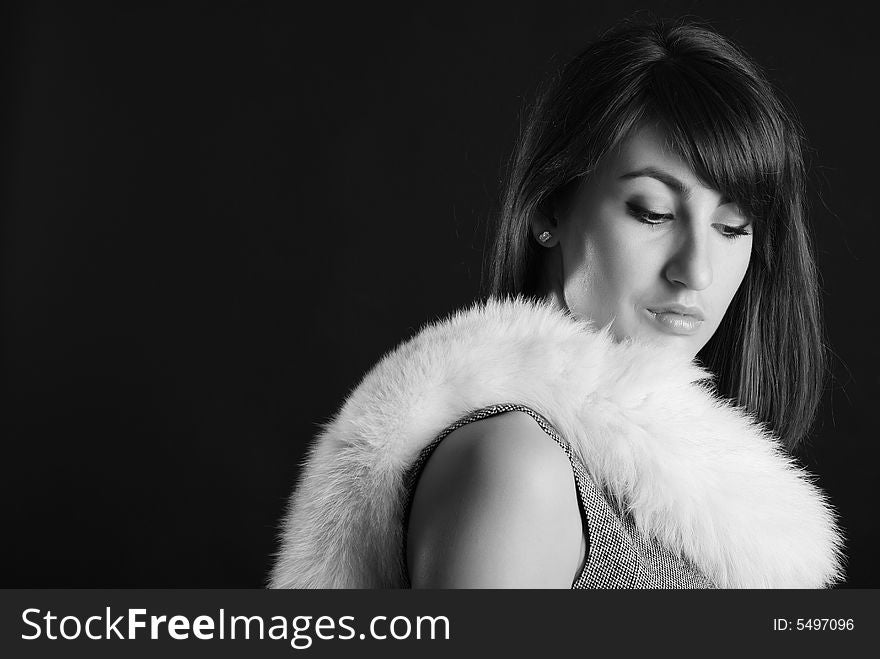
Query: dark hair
x=725 y=119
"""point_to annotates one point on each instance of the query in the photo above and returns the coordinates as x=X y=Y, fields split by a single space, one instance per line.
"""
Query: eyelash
x=653 y=219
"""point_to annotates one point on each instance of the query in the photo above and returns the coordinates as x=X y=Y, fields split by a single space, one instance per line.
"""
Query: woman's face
x=644 y=245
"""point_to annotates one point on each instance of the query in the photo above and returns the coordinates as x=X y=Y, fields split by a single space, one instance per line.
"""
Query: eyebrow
x=664 y=177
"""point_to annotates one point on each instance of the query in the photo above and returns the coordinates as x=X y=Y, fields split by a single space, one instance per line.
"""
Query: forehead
x=648 y=149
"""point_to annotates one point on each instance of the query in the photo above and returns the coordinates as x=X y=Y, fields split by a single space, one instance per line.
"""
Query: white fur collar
x=698 y=474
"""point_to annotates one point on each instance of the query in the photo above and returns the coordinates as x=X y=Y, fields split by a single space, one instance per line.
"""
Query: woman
x=563 y=434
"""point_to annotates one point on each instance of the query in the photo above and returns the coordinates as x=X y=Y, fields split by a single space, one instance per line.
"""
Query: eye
x=733 y=232
x=647 y=216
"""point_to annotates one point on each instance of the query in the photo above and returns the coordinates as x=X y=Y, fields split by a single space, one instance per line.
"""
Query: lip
x=677 y=318
x=680 y=309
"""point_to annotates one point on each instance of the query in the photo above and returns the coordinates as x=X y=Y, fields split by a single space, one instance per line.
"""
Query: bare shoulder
x=495 y=506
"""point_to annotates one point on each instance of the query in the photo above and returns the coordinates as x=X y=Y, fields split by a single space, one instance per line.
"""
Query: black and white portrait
x=548 y=295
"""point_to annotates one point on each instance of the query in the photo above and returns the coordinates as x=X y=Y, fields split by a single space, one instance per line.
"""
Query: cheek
x=631 y=261
x=732 y=274
x=606 y=268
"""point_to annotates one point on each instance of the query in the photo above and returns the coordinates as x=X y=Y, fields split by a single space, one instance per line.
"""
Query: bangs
x=725 y=129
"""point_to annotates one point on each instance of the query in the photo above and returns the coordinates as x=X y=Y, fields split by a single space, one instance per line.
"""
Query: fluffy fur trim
x=698 y=474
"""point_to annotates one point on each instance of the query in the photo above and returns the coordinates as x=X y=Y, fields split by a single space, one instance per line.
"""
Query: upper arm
x=495 y=507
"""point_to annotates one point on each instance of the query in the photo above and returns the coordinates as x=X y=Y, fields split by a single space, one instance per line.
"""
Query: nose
x=690 y=265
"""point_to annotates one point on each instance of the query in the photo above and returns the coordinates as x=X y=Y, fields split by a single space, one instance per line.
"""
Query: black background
x=217 y=216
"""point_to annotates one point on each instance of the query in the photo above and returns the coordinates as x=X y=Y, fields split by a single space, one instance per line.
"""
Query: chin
x=685 y=346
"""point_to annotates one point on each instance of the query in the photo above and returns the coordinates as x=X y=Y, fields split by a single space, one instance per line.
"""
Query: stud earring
x=544 y=236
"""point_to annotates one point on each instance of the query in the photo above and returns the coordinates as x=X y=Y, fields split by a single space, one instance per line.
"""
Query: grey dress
x=617 y=555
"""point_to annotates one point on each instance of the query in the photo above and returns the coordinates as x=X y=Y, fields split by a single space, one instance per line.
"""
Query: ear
x=544 y=227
